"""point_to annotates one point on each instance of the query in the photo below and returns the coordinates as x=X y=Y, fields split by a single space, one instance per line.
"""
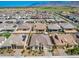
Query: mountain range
x=38 y=3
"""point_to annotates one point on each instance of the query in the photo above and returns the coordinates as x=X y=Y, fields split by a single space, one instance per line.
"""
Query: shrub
x=6 y=34
x=74 y=51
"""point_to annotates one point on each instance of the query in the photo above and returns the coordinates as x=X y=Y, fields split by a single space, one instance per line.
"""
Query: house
x=16 y=41
x=57 y=40
x=40 y=41
x=10 y=21
x=54 y=27
x=39 y=20
x=30 y=21
x=61 y=40
x=24 y=28
x=60 y=20
x=68 y=27
x=50 y=21
x=39 y=27
x=9 y=27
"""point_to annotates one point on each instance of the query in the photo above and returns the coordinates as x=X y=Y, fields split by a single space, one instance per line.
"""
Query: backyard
x=5 y=34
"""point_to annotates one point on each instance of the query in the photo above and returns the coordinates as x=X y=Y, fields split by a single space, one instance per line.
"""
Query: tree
x=74 y=51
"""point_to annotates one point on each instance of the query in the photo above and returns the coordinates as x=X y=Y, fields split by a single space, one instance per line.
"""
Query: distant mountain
x=38 y=3
x=60 y=3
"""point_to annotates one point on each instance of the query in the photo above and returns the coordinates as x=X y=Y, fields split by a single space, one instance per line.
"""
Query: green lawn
x=5 y=34
x=57 y=8
x=74 y=51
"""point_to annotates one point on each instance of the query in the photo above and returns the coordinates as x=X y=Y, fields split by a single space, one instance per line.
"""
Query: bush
x=74 y=51
x=6 y=34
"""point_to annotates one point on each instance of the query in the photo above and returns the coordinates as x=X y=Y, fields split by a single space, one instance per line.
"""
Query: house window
x=24 y=29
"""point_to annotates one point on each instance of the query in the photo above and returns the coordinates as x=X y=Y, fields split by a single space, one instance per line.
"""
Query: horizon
x=38 y=3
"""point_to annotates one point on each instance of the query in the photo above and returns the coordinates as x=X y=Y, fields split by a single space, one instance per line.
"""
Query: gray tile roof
x=67 y=25
x=25 y=26
x=48 y=20
x=30 y=20
x=53 y=26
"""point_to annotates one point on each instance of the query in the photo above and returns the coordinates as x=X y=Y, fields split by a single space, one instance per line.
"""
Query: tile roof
x=39 y=26
x=63 y=39
x=17 y=39
x=36 y=39
x=53 y=26
x=67 y=25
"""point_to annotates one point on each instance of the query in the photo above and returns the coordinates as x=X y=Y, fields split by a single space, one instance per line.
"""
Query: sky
x=37 y=3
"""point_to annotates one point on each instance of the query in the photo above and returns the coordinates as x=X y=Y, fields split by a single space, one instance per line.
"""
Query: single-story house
x=30 y=21
x=39 y=20
x=68 y=27
x=40 y=41
x=53 y=27
x=9 y=27
x=50 y=21
x=10 y=21
x=24 y=28
x=16 y=41
x=63 y=40
x=60 y=20
x=39 y=27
